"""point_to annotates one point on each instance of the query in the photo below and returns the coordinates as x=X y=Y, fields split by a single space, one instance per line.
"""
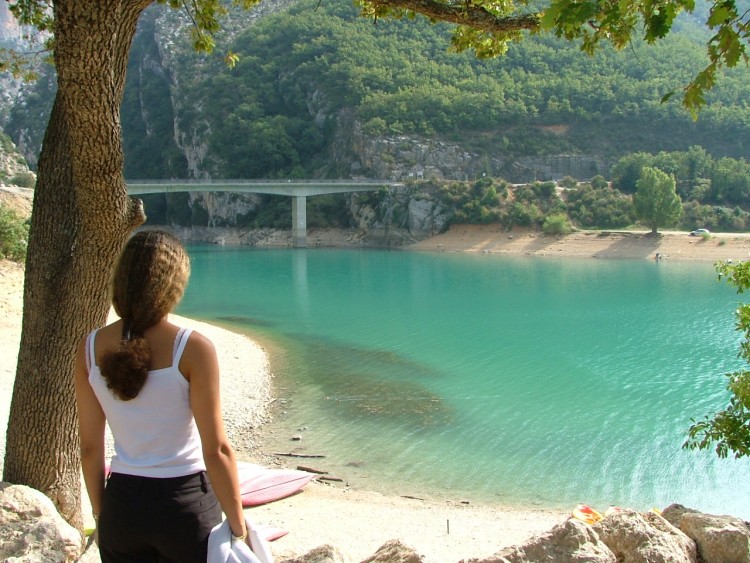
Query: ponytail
x=125 y=368
x=149 y=280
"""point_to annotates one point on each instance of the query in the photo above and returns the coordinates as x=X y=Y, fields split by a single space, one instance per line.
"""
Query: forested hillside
x=316 y=86
x=401 y=79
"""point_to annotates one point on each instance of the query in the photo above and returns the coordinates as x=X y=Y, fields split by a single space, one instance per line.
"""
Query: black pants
x=146 y=519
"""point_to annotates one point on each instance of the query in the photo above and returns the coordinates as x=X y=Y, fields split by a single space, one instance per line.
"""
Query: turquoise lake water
x=521 y=381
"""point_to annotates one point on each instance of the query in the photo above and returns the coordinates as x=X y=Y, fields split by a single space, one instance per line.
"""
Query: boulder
x=31 y=529
x=91 y=555
x=720 y=539
x=394 y=551
x=644 y=538
x=674 y=512
x=321 y=554
x=571 y=541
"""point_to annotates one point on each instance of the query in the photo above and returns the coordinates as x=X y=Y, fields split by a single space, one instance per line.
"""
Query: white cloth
x=223 y=549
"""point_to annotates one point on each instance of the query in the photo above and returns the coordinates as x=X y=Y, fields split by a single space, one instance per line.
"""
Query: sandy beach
x=357 y=521
x=631 y=245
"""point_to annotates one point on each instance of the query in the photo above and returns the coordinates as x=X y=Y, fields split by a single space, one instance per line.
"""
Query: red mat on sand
x=272 y=533
x=260 y=485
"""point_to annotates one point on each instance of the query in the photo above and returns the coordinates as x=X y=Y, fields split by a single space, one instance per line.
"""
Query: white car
x=699 y=232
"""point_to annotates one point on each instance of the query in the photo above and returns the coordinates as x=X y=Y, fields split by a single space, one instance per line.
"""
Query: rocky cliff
x=11 y=37
x=404 y=158
x=10 y=30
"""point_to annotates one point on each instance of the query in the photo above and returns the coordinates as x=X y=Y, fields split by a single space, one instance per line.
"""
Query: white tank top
x=155 y=433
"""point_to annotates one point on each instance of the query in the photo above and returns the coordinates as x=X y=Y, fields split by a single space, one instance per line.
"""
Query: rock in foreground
x=32 y=530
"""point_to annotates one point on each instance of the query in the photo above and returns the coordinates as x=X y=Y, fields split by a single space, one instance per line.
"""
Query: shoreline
x=519 y=242
x=359 y=521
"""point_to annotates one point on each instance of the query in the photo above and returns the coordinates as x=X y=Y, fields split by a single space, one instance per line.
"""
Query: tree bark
x=80 y=220
x=465 y=13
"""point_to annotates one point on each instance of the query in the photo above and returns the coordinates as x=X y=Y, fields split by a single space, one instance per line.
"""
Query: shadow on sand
x=632 y=245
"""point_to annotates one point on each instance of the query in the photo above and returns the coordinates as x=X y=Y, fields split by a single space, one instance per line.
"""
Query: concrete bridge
x=298 y=190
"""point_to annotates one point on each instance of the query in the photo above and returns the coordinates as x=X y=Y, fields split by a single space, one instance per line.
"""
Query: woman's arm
x=201 y=367
x=90 y=430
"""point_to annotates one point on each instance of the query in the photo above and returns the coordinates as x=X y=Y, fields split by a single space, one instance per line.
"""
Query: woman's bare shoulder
x=114 y=328
x=107 y=335
x=199 y=353
x=200 y=342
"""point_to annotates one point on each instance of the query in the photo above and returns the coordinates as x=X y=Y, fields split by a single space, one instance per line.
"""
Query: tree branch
x=468 y=14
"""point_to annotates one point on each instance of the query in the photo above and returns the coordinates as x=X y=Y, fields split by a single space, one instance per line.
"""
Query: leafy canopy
x=617 y=22
x=487 y=26
x=729 y=430
x=656 y=201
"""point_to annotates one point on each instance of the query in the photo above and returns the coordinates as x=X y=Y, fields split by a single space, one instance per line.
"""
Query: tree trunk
x=80 y=220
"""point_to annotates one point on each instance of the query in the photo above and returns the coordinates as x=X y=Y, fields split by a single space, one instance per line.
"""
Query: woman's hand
x=244 y=536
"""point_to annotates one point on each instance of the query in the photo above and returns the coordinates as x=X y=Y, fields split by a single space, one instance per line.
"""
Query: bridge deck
x=299 y=190
x=273 y=187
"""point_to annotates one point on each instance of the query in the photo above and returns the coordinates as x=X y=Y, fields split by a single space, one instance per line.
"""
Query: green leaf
x=231 y=59
x=549 y=17
x=719 y=15
x=665 y=98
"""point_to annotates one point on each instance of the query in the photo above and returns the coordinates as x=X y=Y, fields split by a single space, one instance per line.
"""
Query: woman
x=158 y=387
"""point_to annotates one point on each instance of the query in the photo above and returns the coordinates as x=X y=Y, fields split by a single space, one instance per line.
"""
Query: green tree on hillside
x=656 y=201
x=730 y=182
x=729 y=430
x=626 y=171
x=82 y=213
x=724 y=182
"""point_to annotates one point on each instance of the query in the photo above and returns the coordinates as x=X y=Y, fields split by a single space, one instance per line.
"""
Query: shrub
x=524 y=214
x=544 y=189
x=524 y=193
x=24 y=180
x=557 y=224
x=714 y=217
x=14 y=235
x=603 y=208
x=598 y=182
x=375 y=127
x=568 y=182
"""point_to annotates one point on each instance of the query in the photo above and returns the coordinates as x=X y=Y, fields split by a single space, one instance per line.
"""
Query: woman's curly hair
x=149 y=280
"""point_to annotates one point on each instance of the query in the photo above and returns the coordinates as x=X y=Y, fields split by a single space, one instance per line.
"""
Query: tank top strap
x=90 y=355
x=180 y=342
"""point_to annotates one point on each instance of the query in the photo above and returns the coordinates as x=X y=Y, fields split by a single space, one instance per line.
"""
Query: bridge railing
x=263 y=181
x=293 y=188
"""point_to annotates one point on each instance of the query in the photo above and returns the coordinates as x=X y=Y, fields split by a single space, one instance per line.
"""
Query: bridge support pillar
x=299 y=221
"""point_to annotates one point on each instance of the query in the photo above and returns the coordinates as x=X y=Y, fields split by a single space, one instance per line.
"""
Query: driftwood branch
x=306 y=456
x=311 y=470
